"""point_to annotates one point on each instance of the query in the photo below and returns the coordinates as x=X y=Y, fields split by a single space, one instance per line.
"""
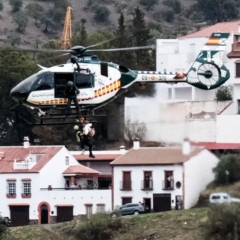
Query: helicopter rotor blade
x=122 y=49
x=11 y=49
x=54 y=58
x=97 y=44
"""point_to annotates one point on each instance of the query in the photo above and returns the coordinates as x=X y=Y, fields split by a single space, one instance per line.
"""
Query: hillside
x=80 y=11
x=174 y=225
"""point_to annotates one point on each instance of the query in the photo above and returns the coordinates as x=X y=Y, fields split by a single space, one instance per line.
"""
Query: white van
x=222 y=197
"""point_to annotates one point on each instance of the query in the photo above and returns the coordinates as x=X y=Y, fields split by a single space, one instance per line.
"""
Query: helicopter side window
x=84 y=80
x=44 y=81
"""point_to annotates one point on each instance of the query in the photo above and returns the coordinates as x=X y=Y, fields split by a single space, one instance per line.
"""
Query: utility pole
x=67 y=30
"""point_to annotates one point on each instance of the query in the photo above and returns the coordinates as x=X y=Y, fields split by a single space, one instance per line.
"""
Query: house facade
x=46 y=184
x=100 y=163
x=162 y=178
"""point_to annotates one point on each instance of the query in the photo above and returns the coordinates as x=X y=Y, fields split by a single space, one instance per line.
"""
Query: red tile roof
x=217 y=146
x=155 y=156
x=234 y=54
x=227 y=27
x=98 y=157
x=80 y=169
x=19 y=154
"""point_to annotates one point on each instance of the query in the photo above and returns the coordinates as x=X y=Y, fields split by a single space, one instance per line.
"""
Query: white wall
x=4 y=202
x=228 y=128
x=52 y=172
x=137 y=177
x=172 y=122
x=198 y=173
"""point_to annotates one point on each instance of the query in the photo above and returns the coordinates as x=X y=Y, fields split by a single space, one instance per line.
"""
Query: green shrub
x=101 y=13
x=168 y=14
x=224 y=221
x=2 y=228
x=1 y=6
x=223 y=93
x=174 y=4
x=100 y=226
x=228 y=163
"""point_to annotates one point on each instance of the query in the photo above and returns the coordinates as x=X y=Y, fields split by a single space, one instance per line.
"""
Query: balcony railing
x=168 y=185
x=76 y=188
x=23 y=165
x=126 y=185
x=147 y=185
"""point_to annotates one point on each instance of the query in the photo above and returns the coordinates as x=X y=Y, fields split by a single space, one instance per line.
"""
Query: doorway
x=147 y=202
x=44 y=214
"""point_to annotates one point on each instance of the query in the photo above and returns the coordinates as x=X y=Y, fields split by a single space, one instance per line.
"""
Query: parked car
x=222 y=197
x=131 y=209
x=6 y=221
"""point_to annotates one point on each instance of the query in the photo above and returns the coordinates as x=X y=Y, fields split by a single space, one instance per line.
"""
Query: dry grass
x=173 y=225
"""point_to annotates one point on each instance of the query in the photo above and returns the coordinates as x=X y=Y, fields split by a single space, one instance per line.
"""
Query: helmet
x=69 y=83
x=76 y=127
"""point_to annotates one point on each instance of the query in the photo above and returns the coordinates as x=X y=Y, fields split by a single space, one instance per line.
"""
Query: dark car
x=131 y=209
x=6 y=221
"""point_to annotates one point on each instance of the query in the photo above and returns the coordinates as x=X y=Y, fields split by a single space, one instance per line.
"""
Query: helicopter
x=100 y=82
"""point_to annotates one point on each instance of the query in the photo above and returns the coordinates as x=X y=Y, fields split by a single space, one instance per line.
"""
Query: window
x=88 y=210
x=147 y=182
x=27 y=188
x=67 y=160
x=237 y=69
x=126 y=182
x=84 y=80
x=126 y=200
x=12 y=188
x=100 y=207
x=168 y=182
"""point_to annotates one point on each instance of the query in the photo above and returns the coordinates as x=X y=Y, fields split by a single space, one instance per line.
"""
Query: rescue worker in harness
x=71 y=93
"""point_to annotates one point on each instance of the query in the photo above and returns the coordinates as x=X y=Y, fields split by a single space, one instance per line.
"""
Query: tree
x=21 y=19
x=14 y=39
x=101 y=13
x=141 y=37
x=35 y=10
x=1 y=6
x=123 y=40
x=223 y=93
x=16 y=5
x=80 y=34
x=12 y=130
x=148 y=3
x=134 y=130
x=218 y=11
x=231 y=164
x=174 y=4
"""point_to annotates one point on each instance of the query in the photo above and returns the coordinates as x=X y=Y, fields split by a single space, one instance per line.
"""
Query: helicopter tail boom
x=207 y=71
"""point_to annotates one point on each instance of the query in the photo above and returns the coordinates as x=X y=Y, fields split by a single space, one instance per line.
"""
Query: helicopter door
x=60 y=83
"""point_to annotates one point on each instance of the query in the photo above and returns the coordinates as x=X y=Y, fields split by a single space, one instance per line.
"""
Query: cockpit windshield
x=26 y=85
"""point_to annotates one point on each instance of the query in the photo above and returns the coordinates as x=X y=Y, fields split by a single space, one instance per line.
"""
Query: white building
x=163 y=178
x=45 y=184
x=180 y=110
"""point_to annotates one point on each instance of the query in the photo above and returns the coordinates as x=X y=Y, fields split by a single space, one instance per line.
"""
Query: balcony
x=126 y=185
x=168 y=185
x=27 y=164
x=147 y=185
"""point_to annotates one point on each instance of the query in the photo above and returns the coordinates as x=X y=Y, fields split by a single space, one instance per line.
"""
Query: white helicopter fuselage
x=104 y=87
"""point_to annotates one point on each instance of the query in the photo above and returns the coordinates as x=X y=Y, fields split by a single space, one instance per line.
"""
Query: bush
x=168 y=14
x=99 y=226
x=101 y=13
x=2 y=228
x=1 y=6
x=174 y=4
x=223 y=93
x=224 y=221
x=228 y=163
x=16 y=5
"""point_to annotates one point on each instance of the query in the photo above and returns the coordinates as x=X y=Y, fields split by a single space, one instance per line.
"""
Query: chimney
x=2 y=154
x=186 y=147
x=238 y=27
x=26 y=142
x=136 y=144
x=122 y=149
